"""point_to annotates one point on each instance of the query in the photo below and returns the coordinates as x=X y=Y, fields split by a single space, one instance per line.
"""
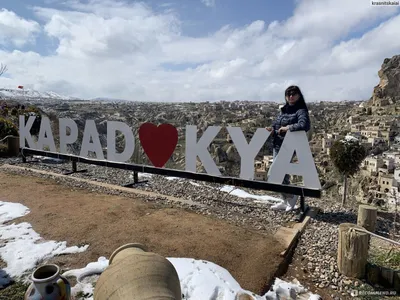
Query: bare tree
x=3 y=69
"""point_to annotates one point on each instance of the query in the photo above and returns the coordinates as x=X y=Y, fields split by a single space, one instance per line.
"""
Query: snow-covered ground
x=30 y=94
x=234 y=191
x=200 y=280
x=22 y=249
x=243 y=194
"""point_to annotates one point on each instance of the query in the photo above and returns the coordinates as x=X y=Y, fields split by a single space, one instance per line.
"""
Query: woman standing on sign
x=293 y=117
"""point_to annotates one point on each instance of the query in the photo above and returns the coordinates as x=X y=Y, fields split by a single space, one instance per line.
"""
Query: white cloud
x=124 y=50
x=108 y=29
x=208 y=3
x=333 y=19
x=16 y=30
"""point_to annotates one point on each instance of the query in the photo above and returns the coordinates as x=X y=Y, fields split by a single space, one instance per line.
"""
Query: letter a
x=295 y=141
x=46 y=135
x=90 y=132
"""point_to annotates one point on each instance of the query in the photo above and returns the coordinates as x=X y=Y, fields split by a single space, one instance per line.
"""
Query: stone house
x=258 y=165
x=260 y=175
x=389 y=163
x=372 y=164
x=316 y=146
x=327 y=142
x=386 y=135
x=396 y=175
x=373 y=128
x=261 y=168
x=391 y=154
x=371 y=133
x=353 y=119
x=373 y=141
x=264 y=163
x=356 y=127
x=386 y=182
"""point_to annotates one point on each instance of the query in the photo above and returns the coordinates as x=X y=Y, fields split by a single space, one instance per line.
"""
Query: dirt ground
x=106 y=222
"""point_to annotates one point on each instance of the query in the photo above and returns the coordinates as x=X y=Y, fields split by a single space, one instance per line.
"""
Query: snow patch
x=199 y=279
x=22 y=248
x=31 y=94
x=243 y=194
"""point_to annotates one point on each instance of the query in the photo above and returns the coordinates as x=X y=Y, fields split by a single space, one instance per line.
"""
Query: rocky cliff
x=388 y=90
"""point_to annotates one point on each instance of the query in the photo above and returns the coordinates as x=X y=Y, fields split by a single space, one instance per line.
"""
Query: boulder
x=232 y=154
x=220 y=155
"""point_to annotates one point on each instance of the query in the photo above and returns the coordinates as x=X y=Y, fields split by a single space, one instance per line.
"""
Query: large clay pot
x=48 y=284
x=134 y=273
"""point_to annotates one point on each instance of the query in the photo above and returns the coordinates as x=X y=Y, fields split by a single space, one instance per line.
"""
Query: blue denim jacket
x=298 y=120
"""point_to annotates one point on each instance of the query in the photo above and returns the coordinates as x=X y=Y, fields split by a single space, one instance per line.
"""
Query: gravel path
x=316 y=251
x=316 y=254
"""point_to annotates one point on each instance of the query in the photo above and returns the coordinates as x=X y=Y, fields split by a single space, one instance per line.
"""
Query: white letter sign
x=194 y=149
x=64 y=138
x=248 y=151
x=25 y=131
x=295 y=141
x=46 y=136
x=90 y=133
x=112 y=155
x=161 y=142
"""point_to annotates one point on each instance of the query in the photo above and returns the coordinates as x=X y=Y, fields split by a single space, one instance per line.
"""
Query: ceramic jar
x=48 y=284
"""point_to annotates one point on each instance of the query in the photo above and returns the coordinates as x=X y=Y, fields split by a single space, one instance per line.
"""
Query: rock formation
x=388 y=90
x=232 y=154
x=220 y=155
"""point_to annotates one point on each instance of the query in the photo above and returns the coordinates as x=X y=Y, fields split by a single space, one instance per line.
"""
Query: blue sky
x=235 y=13
x=24 y=9
x=181 y=50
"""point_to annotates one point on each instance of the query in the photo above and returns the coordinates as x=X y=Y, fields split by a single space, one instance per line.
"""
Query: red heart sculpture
x=158 y=142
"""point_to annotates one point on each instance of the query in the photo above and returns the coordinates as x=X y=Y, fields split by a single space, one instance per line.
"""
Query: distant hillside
x=27 y=94
x=110 y=99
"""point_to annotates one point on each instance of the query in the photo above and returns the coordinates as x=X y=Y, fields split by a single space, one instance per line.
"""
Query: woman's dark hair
x=300 y=104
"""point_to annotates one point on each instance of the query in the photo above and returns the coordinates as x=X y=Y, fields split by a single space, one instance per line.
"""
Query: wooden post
x=352 y=250
x=396 y=281
x=13 y=145
x=367 y=217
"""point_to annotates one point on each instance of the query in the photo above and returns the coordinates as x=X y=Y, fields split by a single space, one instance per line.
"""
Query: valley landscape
x=373 y=122
x=141 y=136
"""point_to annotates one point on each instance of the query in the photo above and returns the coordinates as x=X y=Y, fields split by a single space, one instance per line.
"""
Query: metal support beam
x=303 y=210
x=135 y=180
x=237 y=182
x=74 y=169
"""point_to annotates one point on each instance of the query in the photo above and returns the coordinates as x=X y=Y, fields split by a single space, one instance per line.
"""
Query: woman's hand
x=283 y=129
x=270 y=129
